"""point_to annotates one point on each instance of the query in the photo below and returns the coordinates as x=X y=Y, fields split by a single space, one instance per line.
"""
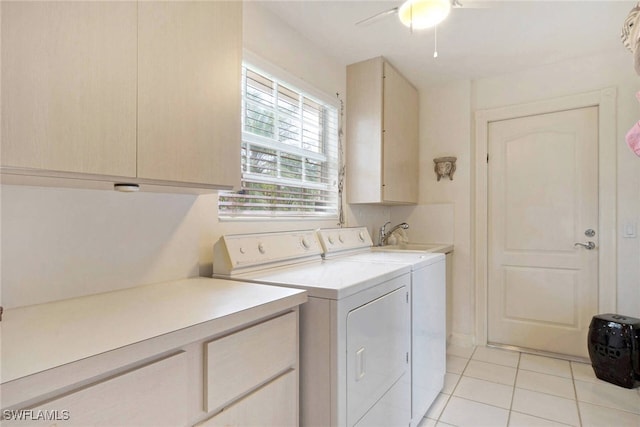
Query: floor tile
x=491 y=372
x=450 y=381
x=484 y=392
x=546 y=406
x=516 y=419
x=437 y=406
x=583 y=372
x=545 y=365
x=544 y=383
x=608 y=395
x=497 y=356
x=461 y=412
x=598 y=416
x=456 y=364
x=539 y=391
x=460 y=351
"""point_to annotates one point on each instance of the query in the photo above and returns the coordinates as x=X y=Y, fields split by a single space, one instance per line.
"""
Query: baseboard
x=461 y=340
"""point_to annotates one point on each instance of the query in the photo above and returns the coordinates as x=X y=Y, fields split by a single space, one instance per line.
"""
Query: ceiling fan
x=417 y=14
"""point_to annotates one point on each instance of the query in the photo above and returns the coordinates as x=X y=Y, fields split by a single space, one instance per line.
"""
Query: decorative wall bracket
x=445 y=167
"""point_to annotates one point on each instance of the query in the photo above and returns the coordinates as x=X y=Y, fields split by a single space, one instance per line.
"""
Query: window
x=289 y=152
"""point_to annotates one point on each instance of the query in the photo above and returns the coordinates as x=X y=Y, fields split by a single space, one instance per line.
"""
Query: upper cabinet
x=190 y=56
x=69 y=86
x=145 y=92
x=382 y=135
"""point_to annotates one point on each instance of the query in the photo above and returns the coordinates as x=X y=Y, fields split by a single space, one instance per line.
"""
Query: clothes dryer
x=428 y=307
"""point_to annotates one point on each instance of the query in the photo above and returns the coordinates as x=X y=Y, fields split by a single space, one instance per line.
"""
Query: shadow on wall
x=61 y=243
x=430 y=223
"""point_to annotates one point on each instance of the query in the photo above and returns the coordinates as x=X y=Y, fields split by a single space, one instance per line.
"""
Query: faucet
x=383 y=234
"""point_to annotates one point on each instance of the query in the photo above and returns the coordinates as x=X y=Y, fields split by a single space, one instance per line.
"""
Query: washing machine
x=428 y=306
x=355 y=329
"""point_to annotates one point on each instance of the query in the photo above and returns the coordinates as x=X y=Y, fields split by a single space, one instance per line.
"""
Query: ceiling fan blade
x=377 y=16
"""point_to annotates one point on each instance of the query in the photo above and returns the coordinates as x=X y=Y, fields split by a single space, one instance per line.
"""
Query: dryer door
x=378 y=345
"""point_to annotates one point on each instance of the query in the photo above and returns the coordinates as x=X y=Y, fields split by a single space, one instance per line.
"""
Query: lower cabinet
x=268 y=406
x=249 y=358
x=152 y=395
x=249 y=377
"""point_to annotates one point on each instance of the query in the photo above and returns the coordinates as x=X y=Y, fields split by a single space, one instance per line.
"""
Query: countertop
x=443 y=248
x=40 y=337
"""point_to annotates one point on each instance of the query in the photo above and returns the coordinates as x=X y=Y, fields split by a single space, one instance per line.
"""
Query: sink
x=417 y=247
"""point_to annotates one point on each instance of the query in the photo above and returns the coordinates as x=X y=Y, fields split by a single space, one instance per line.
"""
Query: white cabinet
x=237 y=363
x=140 y=92
x=251 y=375
x=69 y=86
x=269 y=406
x=382 y=135
x=151 y=395
x=243 y=377
x=189 y=70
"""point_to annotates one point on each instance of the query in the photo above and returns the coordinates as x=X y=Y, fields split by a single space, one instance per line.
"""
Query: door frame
x=605 y=100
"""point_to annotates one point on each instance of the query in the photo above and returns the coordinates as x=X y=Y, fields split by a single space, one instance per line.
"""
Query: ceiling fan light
x=420 y=14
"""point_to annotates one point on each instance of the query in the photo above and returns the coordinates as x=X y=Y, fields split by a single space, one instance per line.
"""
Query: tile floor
x=492 y=387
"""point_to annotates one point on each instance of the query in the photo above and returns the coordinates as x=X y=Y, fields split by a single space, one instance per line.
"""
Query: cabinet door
x=275 y=405
x=241 y=361
x=400 y=141
x=364 y=131
x=69 y=86
x=190 y=55
x=153 y=395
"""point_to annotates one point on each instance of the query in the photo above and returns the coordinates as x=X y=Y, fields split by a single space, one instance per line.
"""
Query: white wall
x=60 y=243
x=447 y=128
x=578 y=76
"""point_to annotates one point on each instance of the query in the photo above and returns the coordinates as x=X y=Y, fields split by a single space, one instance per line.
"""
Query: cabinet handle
x=360 y=364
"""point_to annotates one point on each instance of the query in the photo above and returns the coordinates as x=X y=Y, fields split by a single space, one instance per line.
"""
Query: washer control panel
x=243 y=251
x=337 y=240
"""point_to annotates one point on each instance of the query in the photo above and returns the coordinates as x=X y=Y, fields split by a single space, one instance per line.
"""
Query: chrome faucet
x=383 y=234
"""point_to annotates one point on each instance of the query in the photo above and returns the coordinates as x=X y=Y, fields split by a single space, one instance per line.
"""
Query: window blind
x=289 y=152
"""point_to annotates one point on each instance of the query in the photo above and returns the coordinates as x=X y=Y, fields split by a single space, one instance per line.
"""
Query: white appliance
x=428 y=307
x=355 y=327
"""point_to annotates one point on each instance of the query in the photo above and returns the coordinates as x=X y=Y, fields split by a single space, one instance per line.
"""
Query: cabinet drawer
x=239 y=362
x=153 y=395
x=275 y=404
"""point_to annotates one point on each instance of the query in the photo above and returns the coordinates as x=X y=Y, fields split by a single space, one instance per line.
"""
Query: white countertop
x=40 y=337
x=443 y=248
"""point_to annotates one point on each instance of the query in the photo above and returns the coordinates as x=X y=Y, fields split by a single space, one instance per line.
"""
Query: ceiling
x=481 y=39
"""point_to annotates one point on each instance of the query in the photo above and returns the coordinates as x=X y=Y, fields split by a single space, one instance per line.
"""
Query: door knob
x=588 y=245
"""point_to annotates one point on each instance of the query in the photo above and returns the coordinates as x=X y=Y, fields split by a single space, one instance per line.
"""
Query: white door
x=543 y=197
